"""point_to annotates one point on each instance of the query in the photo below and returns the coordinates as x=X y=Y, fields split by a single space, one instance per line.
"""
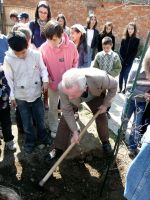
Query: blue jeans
x=138 y=176
x=124 y=75
x=138 y=109
x=28 y=111
x=90 y=53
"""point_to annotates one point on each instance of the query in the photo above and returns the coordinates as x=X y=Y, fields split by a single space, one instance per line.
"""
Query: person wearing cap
x=78 y=35
x=23 y=17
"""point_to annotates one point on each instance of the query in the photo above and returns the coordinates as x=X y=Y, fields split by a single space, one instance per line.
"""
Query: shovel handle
x=49 y=173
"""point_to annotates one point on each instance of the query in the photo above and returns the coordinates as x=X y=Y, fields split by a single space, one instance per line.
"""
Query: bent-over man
x=97 y=89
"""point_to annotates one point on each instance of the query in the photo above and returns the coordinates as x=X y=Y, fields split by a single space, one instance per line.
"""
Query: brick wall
x=76 y=11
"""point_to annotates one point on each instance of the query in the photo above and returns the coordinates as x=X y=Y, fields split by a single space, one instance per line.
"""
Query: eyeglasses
x=44 y=13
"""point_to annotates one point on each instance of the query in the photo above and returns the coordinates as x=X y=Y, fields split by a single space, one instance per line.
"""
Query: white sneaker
x=53 y=134
x=11 y=145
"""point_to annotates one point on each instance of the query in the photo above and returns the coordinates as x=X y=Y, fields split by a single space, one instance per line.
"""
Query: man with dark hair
x=24 y=69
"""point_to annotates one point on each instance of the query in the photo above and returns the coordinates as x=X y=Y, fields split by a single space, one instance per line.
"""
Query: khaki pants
x=53 y=110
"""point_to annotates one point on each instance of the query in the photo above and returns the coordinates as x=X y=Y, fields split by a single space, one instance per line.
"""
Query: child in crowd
x=24 y=18
x=137 y=103
x=5 y=118
x=3 y=47
x=78 y=35
x=21 y=27
x=59 y=55
x=92 y=36
x=107 y=31
x=128 y=51
x=14 y=17
x=62 y=21
x=107 y=59
x=24 y=69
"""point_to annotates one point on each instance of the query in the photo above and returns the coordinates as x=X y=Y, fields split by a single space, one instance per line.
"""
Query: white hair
x=74 y=77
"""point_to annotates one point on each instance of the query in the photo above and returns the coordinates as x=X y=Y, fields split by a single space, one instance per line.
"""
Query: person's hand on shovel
x=75 y=137
x=102 y=109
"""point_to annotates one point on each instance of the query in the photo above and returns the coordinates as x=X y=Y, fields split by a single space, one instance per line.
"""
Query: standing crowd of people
x=44 y=64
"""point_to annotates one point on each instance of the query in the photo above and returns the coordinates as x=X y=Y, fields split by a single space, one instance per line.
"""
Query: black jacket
x=129 y=49
x=101 y=36
x=94 y=43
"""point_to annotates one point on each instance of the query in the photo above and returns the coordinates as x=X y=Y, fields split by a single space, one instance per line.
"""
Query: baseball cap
x=23 y=15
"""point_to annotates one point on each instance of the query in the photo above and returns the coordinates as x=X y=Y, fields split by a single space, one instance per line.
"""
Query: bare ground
x=79 y=177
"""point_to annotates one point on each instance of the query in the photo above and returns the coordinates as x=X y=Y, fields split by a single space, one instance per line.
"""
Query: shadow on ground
x=80 y=177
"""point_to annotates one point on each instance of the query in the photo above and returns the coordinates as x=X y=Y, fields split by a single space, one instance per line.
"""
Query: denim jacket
x=138 y=177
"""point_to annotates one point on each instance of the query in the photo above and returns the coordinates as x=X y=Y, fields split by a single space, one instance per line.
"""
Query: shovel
x=49 y=173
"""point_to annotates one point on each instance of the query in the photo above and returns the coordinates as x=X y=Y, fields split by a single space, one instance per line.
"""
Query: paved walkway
x=91 y=141
x=115 y=112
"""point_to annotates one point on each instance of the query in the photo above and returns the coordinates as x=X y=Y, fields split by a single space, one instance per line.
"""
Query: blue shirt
x=3 y=47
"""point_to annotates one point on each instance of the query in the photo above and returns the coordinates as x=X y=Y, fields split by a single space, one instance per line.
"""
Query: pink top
x=59 y=59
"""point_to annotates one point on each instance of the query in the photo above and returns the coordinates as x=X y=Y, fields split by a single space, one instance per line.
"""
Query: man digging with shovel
x=90 y=85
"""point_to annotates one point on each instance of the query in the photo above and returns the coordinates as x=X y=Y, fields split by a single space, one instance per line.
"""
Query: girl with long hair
x=78 y=35
x=63 y=23
x=92 y=36
x=107 y=31
x=42 y=16
x=128 y=51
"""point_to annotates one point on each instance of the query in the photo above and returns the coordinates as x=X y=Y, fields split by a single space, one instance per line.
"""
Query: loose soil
x=80 y=178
